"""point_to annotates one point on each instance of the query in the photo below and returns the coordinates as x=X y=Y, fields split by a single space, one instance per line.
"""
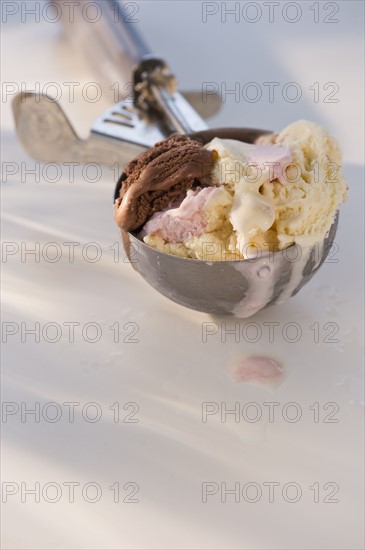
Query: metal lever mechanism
x=155 y=95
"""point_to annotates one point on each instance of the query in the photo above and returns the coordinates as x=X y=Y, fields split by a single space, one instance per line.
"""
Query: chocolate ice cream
x=160 y=176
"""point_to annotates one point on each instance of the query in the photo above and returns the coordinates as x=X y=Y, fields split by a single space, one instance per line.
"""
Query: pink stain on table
x=257 y=370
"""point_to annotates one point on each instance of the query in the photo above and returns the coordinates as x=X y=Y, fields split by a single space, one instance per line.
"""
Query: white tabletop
x=297 y=469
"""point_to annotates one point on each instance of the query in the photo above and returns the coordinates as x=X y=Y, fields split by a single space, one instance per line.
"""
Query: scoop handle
x=114 y=42
x=123 y=25
x=105 y=33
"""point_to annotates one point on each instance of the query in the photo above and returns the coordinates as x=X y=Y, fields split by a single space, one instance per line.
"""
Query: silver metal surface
x=110 y=44
x=158 y=110
x=227 y=287
x=118 y=135
x=181 y=117
x=47 y=135
x=155 y=94
x=123 y=123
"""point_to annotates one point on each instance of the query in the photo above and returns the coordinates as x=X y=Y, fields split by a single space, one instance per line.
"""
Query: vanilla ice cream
x=238 y=198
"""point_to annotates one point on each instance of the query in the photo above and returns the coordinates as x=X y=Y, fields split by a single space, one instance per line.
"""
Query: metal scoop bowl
x=240 y=288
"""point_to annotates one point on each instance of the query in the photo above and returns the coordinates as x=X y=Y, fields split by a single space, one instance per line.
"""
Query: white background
x=170 y=371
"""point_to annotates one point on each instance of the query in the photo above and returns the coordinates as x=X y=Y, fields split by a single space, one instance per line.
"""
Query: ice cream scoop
x=123 y=131
x=239 y=287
